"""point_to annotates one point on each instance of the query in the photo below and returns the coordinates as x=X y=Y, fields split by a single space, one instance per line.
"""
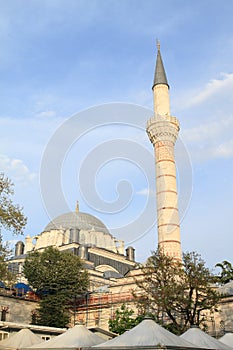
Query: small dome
x=77 y=220
x=226 y=289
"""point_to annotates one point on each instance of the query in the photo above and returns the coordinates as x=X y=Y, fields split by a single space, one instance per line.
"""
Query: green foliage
x=177 y=293
x=226 y=274
x=11 y=215
x=123 y=320
x=7 y=277
x=53 y=311
x=198 y=282
x=11 y=218
x=57 y=277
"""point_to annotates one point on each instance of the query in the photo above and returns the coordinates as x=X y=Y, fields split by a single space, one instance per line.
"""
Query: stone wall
x=17 y=309
x=223 y=319
x=100 y=307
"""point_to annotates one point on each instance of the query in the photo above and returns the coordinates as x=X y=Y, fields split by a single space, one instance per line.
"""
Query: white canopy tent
x=227 y=339
x=146 y=333
x=21 y=339
x=76 y=337
x=196 y=336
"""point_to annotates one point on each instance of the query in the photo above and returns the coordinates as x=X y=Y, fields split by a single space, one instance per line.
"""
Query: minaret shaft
x=163 y=130
x=161 y=99
x=167 y=206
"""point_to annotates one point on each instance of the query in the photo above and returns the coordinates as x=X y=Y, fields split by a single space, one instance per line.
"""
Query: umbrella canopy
x=20 y=340
x=76 y=337
x=196 y=336
x=227 y=339
x=146 y=333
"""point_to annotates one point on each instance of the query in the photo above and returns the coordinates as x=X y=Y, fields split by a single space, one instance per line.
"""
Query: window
x=3 y=335
x=45 y=337
x=4 y=311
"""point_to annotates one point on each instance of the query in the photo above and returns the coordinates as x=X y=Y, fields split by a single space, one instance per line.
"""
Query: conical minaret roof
x=160 y=75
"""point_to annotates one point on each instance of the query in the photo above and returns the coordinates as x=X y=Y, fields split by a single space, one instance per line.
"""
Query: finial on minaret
x=158 y=44
x=77 y=207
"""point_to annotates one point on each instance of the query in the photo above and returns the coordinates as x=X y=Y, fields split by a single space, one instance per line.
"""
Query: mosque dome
x=226 y=289
x=77 y=220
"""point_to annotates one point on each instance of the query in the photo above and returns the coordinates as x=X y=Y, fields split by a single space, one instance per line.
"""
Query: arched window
x=4 y=312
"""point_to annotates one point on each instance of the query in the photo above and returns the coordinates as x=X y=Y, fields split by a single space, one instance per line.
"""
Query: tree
x=177 y=293
x=226 y=275
x=123 y=320
x=199 y=283
x=11 y=218
x=6 y=276
x=57 y=277
x=11 y=215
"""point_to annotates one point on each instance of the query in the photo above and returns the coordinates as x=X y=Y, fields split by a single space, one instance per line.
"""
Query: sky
x=75 y=87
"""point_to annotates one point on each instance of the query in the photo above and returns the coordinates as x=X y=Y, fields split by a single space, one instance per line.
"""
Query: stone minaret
x=162 y=130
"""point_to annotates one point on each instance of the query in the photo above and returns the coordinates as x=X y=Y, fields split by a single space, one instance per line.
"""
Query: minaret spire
x=160 y=75
x=162 y=130
x=160 y=88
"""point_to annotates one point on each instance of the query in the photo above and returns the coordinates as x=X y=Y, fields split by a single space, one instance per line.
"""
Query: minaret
x=77 y=207
x=162 y=130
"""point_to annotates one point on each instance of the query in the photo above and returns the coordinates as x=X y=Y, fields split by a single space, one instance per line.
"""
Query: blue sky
x=60 y=58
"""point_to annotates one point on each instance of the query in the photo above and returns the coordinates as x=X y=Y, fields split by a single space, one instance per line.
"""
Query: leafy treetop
x=11 y=215
x=226 y=274
x=53 y=271
x=178 y=293
x=123 y=320
x=57 y=277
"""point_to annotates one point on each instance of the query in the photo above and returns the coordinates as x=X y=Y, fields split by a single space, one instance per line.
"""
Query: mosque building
x=86 y=236
x=112 y=267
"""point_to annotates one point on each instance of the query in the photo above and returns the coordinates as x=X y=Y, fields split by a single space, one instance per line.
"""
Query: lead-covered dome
x=77 y=220
x=226 y=289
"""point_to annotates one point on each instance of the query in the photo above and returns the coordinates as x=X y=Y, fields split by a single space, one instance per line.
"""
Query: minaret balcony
x=161 y=128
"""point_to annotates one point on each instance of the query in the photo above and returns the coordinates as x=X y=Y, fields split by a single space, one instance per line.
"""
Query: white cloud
x=16 y=170
x=210 y=140
x=146 y=192
x=224 y=150
x=46 y=114
x=25 y=138
x=212 y=88
x=209 y=131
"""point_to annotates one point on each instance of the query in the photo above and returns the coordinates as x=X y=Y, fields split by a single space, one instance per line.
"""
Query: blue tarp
x=22 y=288
x=2 y=285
